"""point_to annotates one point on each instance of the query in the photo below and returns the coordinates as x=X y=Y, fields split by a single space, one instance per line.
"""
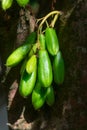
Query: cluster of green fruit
x=43 y=64
x=8 y=3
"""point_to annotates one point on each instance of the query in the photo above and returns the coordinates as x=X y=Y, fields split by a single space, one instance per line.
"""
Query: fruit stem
x=47 y=23
x=47 y=16
x=54 y=20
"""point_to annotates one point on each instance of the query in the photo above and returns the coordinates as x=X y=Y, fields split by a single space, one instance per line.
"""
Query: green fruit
x=51 y=41
x=31 y=64
x=38 y=96
x=22 y=2
x=42 y=41
x=27 y=83
x=45 y=75
x=58 y=68
x=6 y=4
x=50 y=97
x=17 y=55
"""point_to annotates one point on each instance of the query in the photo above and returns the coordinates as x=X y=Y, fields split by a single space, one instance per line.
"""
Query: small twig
x=38 y=20
x=22 y=114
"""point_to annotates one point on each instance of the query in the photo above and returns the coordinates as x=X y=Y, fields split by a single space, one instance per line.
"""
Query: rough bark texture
x=70 y=109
